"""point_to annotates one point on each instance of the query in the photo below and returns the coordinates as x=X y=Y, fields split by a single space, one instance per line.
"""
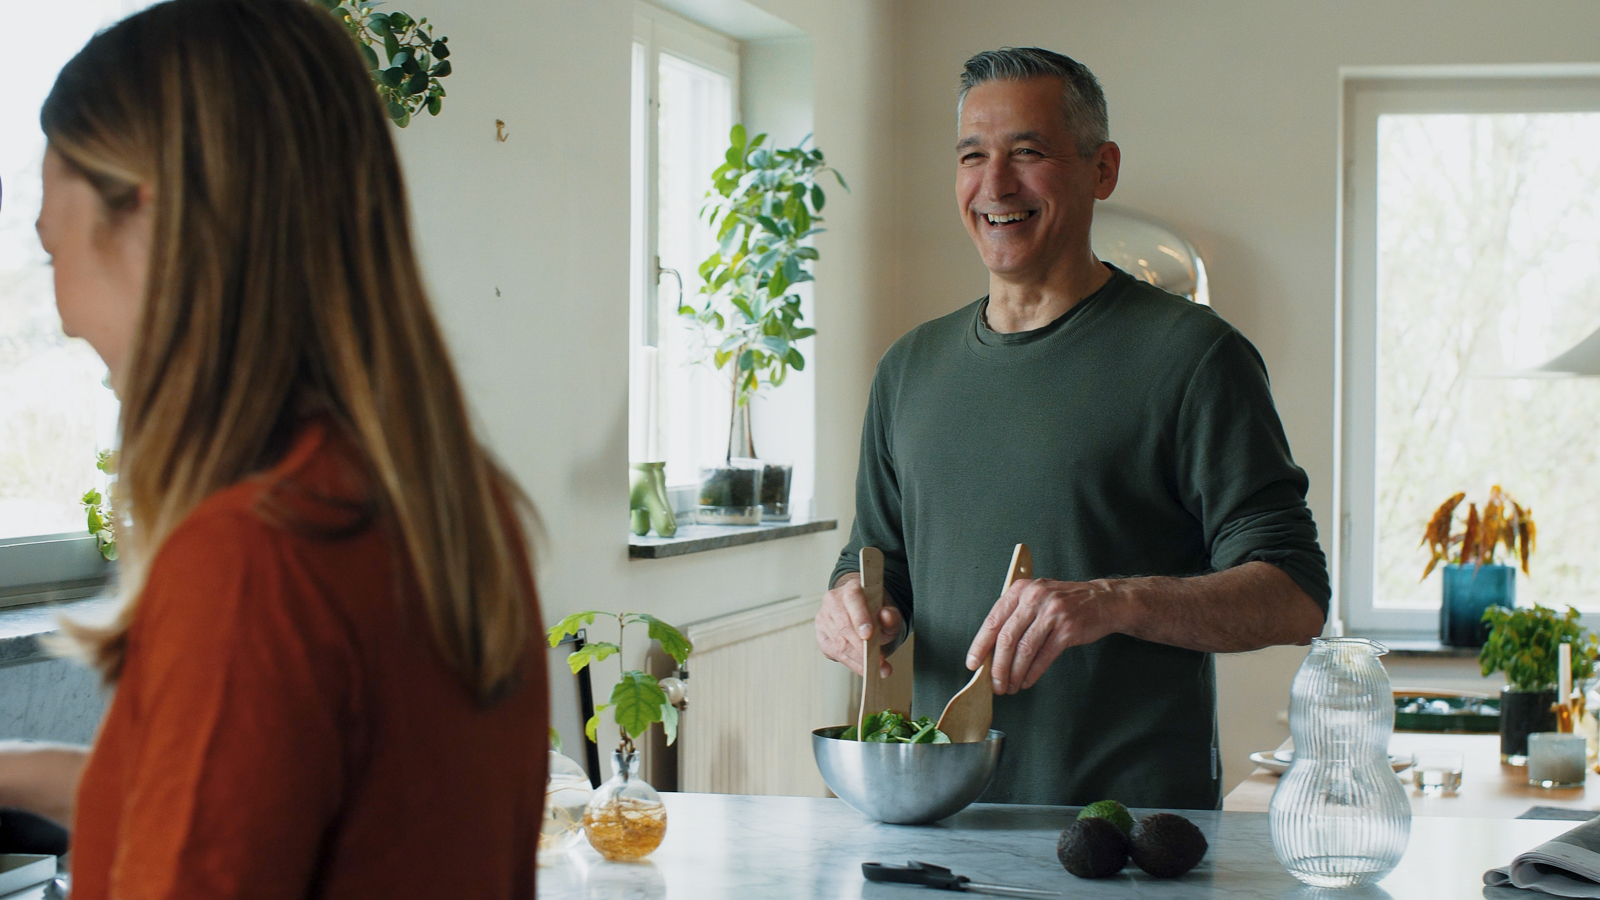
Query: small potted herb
x=1473 y=581
x=1524 y=644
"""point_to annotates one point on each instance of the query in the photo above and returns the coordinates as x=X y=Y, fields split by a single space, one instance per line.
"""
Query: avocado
x=1092 y=848
x=1166 y=845
x=1111 y=811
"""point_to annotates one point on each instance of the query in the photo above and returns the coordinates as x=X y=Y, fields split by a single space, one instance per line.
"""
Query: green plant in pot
x=1473 y=581
x=1524 y=644
x=765 y=205
x=625 y=818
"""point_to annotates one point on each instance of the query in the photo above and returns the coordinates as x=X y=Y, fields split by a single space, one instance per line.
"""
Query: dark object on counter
x=1093 y=848
x=1468 y=591
x=23 y=832
x=1521 y=714
x=775 y=483
x=1167 y=845
x=1447 y=714
x=941 y=878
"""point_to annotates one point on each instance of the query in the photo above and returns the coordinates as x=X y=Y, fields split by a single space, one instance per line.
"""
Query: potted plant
x=1524 y=644
x=625 y=818
x=764 y=204
x=1473 y=581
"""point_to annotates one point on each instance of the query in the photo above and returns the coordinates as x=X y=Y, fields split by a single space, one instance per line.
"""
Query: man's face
x=1026 y=196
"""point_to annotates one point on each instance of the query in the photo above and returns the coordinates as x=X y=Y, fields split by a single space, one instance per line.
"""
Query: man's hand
x=1036 y=619
x=843 y=623
x=1244 y=608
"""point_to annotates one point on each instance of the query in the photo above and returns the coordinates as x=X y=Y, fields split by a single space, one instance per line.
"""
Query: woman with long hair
x=327 y=681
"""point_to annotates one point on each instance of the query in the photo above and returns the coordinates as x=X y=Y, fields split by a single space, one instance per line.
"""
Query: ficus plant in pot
x=1473 y=580
x=765 y=205
x=625 y=818
x=1525 y=645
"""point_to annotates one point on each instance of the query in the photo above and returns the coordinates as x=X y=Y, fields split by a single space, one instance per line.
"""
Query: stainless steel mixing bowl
x=905 y=784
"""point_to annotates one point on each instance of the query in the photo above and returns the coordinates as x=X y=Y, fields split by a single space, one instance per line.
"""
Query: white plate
x=1277 y=761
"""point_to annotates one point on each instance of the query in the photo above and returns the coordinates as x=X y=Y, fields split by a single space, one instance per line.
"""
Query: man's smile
x=1001 y=220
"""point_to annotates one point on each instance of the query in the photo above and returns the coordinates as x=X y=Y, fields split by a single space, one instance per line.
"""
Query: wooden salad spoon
x=969 y=713
x=871 y=650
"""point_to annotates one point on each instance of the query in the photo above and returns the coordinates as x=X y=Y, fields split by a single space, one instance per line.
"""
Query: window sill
x=700 y=538
x=1425 y=648
x=21 y=627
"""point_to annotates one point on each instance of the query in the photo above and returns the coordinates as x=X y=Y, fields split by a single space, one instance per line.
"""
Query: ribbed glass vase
x=1339 y=816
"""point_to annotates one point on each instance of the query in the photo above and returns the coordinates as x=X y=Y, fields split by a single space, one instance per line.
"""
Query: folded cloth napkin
x=1565 y=866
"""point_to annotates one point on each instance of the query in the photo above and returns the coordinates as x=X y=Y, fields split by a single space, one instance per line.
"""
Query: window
x=685 y=94
x=1472 y=252
x=55 y=411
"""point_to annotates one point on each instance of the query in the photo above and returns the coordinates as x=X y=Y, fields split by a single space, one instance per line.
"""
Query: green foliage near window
x=637 y=701
x=1524 y=643
x=98 y=508
x=405 y=59
x=764 y=204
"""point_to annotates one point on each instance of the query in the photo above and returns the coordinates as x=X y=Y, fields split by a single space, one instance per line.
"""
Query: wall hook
x=500 y=133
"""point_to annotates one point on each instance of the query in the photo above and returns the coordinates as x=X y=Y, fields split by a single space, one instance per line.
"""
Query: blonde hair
x=282 y=281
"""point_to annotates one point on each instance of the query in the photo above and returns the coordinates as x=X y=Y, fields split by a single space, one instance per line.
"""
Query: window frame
x=52 y=567
x=658 y=31
x=1366 y=94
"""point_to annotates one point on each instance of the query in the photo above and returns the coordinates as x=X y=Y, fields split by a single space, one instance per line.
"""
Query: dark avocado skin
x=1167 y=845
x=1092 y=848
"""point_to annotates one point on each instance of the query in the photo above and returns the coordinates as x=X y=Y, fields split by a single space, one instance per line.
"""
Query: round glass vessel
x=566 y=794
x=625 y=819
x=1339 y=816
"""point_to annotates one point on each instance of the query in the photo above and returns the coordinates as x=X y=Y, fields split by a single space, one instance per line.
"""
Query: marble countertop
x=729 y=846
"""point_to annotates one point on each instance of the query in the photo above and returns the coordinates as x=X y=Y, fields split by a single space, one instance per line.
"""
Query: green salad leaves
x=889 y=727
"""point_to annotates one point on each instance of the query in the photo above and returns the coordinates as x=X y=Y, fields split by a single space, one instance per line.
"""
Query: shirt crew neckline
x=990 y=344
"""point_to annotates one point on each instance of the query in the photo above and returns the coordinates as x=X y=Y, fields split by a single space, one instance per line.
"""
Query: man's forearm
x=41 y=778
x=1243 y=608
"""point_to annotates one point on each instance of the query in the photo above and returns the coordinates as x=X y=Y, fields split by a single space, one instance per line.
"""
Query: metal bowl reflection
x=906 y=784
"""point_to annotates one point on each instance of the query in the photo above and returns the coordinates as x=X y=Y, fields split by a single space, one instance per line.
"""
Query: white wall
x=525 y=246
x=1227 y=113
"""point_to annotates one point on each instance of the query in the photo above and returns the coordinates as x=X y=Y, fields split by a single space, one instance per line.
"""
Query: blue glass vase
x=1468 y=591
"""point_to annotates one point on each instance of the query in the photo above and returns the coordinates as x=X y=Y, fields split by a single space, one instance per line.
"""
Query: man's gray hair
x=1082 y=102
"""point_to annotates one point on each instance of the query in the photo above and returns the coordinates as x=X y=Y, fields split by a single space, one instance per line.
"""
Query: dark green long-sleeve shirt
x=1134 y=435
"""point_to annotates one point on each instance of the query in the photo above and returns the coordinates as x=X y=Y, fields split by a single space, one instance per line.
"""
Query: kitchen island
x=729 y=846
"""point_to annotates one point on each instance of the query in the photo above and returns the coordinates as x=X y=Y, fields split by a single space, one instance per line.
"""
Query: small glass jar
x=625 y=819
x=566 y=795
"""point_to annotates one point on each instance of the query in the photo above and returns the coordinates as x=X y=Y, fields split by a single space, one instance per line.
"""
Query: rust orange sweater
x=284 y=728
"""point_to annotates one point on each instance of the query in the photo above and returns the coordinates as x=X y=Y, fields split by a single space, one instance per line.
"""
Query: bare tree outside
x=1488 y=264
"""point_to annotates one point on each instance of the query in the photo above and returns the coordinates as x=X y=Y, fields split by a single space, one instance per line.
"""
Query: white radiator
x=757 y=687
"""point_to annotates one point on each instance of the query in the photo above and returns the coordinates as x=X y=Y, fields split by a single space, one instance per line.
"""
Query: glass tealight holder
x=1436 y=773
x=1556 y=760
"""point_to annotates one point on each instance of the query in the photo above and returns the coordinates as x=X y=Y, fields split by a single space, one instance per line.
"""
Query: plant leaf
x=594 y=721
x=669 y=722
x=672 y=641
x=637 y=702
x=571 y=624
x=589 y=653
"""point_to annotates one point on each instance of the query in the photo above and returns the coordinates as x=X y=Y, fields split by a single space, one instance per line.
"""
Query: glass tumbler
x=1339 y=816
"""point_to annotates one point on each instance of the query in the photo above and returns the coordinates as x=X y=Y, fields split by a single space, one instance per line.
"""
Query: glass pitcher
x=1339 y=816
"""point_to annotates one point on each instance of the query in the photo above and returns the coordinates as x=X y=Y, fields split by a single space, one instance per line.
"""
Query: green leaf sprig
x=412 y=60
x=764 y=205
x=98 y=509
x=1525 y=643
x=637 y=701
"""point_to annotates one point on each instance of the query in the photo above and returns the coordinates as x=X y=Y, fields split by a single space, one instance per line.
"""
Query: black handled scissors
x=941 y=878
